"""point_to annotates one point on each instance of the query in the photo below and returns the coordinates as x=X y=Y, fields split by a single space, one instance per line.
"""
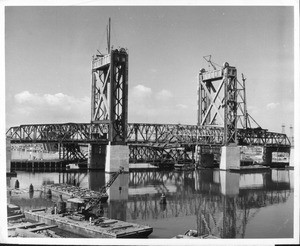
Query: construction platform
x=107 y=228
x=71 y=191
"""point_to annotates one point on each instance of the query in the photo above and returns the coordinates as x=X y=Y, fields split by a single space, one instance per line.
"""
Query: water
x=225 y=204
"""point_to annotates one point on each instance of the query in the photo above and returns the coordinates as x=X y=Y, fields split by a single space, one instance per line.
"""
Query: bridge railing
x=66 y=132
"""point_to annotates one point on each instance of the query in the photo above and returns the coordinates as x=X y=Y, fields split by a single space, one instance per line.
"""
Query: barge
x=18 y=226
x=70 y=191
x=101 y=227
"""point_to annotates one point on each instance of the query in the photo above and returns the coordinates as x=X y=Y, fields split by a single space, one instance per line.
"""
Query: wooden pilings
x=36 y=166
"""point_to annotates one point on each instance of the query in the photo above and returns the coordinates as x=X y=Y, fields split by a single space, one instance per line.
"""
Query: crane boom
x=95 y=201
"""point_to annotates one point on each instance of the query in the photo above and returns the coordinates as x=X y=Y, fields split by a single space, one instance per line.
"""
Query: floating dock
x=107 y=228
x=70 y=191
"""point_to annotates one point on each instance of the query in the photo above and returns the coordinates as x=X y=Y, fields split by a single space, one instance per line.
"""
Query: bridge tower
x=218 y=105
x=109 y=106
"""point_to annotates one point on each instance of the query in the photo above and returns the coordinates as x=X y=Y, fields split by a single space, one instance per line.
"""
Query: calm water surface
x=225 y=204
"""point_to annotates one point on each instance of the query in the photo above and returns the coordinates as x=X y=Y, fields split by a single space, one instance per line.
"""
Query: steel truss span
x=164 y=136
x=59 y=133
x=172 y=135
x=262 y=137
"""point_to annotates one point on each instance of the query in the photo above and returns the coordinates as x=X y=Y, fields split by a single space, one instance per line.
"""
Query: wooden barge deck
x=70 y=191
x=108 y=228
x=18 y=226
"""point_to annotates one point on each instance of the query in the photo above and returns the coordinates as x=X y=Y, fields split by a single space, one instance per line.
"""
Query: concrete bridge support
x=230 y=157
x=117 y=156
x=108 y=157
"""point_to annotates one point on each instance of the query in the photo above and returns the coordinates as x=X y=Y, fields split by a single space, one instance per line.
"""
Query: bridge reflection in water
x=225 y=204
x=220 y=203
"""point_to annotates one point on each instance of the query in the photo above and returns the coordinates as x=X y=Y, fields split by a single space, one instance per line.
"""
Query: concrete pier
x=108 y=157
x=117 y=156
x=230 y=157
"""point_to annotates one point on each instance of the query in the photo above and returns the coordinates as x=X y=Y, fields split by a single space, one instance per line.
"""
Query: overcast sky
x=49 y=49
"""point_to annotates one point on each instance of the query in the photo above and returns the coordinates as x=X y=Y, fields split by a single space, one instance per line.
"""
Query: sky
x=48 y=53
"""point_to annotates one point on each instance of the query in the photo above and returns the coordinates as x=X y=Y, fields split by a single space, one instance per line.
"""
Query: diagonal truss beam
x=103 y=102
x=213 y=103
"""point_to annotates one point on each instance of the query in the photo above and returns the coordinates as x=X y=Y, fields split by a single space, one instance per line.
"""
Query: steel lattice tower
x=217 y=100
x=110 y=93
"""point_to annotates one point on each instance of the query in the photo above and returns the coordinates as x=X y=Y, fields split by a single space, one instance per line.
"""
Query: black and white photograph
x=150 y=123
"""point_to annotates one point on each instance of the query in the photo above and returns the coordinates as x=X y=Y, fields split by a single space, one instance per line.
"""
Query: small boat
x=193 y=234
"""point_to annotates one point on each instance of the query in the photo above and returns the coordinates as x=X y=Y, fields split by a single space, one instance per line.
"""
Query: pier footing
x=230 y=157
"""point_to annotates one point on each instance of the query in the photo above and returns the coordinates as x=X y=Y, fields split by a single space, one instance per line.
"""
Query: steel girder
x=110 y=93
x=59 y=133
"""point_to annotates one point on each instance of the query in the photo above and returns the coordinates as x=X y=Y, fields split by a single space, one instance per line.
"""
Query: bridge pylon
x=217 y=106
x=109 y=106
